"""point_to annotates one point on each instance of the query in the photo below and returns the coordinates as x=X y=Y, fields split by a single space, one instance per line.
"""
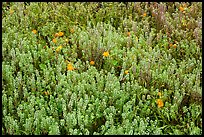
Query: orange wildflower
x=92 y=62
x=174 y=45
x=128 y=33
x=56 y=34
x=126 y=72
x=181 y=8
x=61 y=33
x=160 y=103
x=144 y=14
x=34 y=31
x=106 y=54
x=70 y=67
x=54 y=40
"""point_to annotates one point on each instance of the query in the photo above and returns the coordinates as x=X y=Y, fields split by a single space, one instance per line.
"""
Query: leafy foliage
x=101 y=68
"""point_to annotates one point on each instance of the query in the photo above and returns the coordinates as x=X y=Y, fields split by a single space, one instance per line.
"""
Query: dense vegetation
x=101 y=68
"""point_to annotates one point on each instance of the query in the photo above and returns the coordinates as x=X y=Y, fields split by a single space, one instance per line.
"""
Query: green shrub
x=140 y=52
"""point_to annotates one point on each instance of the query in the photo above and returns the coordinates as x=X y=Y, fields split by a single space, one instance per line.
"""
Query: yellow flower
x=72 y=30
x=59 y=48
x=66 y=40
x=54 y=40
x=106 y=54
x=34 y=31
x=11 y=11
x=61 y=33
x=144 y=14
x=136 y=38
x=92 y=62
x=174 y=45
x=70 y=67
x=126 y=72
x=159 y=94
x=160 y=103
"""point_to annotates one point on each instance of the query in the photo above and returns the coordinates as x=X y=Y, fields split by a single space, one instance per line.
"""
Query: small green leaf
x=115 y=62
x=42 y=66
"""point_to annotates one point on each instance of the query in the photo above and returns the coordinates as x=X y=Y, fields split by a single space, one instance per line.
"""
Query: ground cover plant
x=97 y=68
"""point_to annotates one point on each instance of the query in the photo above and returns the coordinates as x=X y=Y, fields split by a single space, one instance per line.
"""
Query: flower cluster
x=59 y=34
